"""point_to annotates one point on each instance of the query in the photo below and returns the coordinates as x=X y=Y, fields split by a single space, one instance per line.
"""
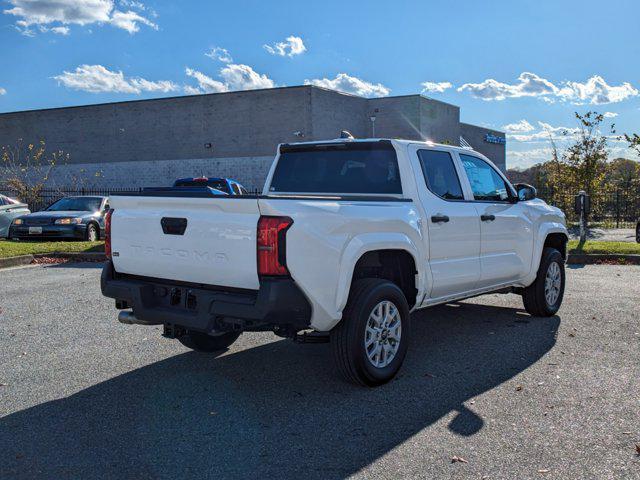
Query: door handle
x=487 y=218
x=439 y=218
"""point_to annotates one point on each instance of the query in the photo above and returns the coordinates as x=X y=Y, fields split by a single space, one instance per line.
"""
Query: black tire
x=93 y=233
x=535 y=300
x=201 y=342
x=638 y=232
x=348 y=337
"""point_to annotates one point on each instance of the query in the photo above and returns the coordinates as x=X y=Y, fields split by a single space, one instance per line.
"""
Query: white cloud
x=2 y=91
x=233 y=77
x=205 y=84
x=220 y=54
x=243 y=77
x=518 y=127
x=98 y=79
x=129 y=21
x=61 y=13
x=291 y=46
x=348 y=84
x=595 y=90
x=529 y=85
x=545 y=133
x=61 y=30
x=610 y=115
x=435 y=87
x=527 y=158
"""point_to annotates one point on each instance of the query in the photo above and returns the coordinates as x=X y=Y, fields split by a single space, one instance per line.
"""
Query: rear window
x=358 y=167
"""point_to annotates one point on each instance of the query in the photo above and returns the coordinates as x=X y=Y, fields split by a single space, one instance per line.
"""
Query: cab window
x=487 y=185
x=440 y=174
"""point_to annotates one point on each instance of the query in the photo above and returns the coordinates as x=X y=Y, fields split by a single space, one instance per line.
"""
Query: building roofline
x=484 y=128
x=179 y=97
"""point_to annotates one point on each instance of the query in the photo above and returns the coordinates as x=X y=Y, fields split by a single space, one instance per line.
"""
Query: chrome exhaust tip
x=128 y=318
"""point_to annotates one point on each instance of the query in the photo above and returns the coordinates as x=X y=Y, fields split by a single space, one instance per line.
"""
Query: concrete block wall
x=249 y=171
x=235 y=134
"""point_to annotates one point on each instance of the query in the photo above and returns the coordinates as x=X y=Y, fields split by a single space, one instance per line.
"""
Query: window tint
x=485 y=181
x=236 y=189
x=440 y=174
x=358 y=167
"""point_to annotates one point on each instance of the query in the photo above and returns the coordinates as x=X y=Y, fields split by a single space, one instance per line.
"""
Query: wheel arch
x=392 y=256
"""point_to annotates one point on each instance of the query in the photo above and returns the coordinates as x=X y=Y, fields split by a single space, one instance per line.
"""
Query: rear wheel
x=544 y=296
x=201 y=342
x=370 y=343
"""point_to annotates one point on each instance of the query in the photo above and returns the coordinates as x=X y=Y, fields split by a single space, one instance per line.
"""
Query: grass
x=625 y=248
x=13 y=248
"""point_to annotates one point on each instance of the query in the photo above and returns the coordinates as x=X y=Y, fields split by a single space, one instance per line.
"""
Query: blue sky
x=519 y=66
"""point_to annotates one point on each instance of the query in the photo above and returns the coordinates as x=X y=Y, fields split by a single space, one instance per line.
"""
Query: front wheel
x=544 y=296
x=370 y=343
x=201 y=342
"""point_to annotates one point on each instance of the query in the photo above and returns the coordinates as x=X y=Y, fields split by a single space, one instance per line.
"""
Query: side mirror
x=525 y=192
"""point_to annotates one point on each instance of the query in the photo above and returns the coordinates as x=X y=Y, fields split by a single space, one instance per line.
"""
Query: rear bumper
x=279 y=305
x=49 y=231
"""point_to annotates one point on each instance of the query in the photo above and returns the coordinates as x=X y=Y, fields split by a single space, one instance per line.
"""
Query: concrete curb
x=9 y=262
x=595 y=258
x=77 y=256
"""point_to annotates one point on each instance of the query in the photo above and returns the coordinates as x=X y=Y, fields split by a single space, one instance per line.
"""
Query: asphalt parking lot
x=513 y=396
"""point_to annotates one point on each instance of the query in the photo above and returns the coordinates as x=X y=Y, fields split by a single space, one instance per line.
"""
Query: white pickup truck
x=348 y=237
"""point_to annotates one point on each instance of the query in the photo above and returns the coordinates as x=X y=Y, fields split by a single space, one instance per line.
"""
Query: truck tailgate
x=208 y=241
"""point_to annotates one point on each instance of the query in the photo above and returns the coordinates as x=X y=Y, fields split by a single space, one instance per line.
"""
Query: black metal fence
x=47 y=196
x=618 y=209
x=613 y=209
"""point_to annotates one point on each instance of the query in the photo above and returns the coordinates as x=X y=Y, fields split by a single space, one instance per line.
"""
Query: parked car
x=348 y=237
x=10 y=209
x=74 y=218
x=224 y=185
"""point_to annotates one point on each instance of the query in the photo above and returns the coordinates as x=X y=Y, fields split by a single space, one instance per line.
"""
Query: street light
x=373 y=125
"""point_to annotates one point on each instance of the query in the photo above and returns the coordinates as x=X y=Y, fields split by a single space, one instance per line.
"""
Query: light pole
x=373 y=126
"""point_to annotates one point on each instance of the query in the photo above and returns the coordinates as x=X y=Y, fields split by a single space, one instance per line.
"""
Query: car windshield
x=76 y=204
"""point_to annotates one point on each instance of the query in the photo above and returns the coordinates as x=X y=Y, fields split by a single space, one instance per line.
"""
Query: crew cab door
x=452 y=224
x=506 y=231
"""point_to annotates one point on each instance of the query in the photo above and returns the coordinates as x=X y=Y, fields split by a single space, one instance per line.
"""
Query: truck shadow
x=275 y=410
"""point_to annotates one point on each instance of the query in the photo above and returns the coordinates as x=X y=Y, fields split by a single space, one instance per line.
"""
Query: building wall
x=152 y=142
x=236 y=124
x=249 y=171
x=476 y=137
x=331 y=113
x=439 y=121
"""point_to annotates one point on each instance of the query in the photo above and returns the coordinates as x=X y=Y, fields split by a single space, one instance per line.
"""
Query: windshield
x=76 y=204
x=212 y=182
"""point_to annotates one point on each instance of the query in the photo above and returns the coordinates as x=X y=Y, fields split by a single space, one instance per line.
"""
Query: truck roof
x=400 y=141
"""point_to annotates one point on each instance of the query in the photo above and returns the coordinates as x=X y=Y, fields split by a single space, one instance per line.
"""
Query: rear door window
x=342 y=168
x=440 y=174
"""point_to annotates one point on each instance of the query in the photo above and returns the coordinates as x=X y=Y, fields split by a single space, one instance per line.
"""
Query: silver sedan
x=10 y=209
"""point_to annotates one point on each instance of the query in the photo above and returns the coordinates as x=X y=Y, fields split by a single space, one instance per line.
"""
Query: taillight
x=107 y=233
x=272 y=258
